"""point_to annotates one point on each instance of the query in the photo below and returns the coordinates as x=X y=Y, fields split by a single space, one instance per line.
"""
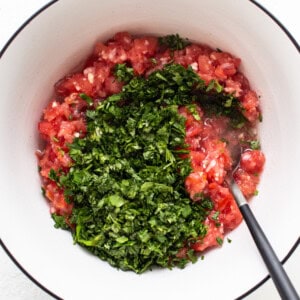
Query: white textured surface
x=16 y=286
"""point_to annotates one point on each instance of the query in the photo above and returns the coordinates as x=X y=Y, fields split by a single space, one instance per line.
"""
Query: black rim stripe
x=26 y=273
x=294 y=247
x=24 y=25
x=283 y=28
x=268 y=276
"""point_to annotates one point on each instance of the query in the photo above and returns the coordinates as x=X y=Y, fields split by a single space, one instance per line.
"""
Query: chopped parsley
x=215 y=216
x=219 y=241
x=123 y=73
x=53 y=175
x=127 y=178
x=215 y=102
x=60 y=221
x=86 y=98
x=255 y=145
x=173 y=42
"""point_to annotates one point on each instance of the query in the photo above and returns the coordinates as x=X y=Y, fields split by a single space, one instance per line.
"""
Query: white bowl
x=50 y=46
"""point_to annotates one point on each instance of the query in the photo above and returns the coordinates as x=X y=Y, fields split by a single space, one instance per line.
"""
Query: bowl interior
x=53 y=44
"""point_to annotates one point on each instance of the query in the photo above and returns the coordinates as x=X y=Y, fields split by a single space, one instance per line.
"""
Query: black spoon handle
x=278 y=274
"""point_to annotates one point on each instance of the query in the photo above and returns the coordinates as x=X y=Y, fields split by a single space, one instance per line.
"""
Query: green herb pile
x=127 y=180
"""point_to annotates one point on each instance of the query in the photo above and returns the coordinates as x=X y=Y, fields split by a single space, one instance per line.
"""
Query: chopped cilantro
x=255 y=145
x=127 y=178
x=215 y=216
x=255 y=193
x=123 y=73
x=214 y=85
x=193 y=110
x=86 y=98
x=219 y=241
x=53 y=175
x=229 y=240
x=215 y=102
x=60 y=222
x=130 y=204
x=173 y=42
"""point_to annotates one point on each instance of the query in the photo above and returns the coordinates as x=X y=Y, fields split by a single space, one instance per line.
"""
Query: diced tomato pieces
x=214 y=234
x=225 y=70
x=193 y=51
x=250 y=104
x=46 y=129
x=69 y=129
x=233 y=87
x=197 y=158
x=145 y=46
x=239 y=77
x=72 y=84
x=181 y=58
x=162 y=58
x=231 y=216
x=252 y=161
x=220 y=195
x=124 y=39
x=205 y=65
x=224 y=57
x=48 y=161
x=247 y=182
x=195 y=183
x=112 y=85
x=140 y=53
x=58 y=204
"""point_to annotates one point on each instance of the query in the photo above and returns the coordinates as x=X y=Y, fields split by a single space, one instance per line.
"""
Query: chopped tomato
x=46 y=129
x=74 y=83
x=213 y=237
x=247 y=182
x=140 y=53
x=231 y=216
x=112 y=85
x=205 y=65
x=71 y=129
x=250 y=104
x=252 y=161
x=124 y=39
x=233 y=87
x=197 y=158
x=195 y=183
x=58 y=204
x=220 y=195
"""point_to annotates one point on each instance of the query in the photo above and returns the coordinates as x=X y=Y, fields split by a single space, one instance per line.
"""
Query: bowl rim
x=2 y=52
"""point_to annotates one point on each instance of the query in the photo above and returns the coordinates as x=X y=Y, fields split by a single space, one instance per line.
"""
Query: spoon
x=276 y=271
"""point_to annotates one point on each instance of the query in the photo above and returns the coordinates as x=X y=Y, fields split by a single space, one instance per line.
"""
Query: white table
x=14 y=285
